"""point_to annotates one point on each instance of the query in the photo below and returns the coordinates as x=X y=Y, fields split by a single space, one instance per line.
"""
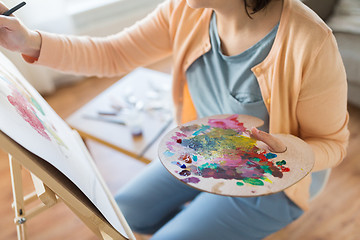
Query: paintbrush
x=12 y=10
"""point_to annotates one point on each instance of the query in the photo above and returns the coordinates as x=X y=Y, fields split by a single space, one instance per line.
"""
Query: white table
x=150 y=92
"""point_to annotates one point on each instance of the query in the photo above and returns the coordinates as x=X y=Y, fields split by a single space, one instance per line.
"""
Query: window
x=82 y=5
x=88 y=15
x=75 y=6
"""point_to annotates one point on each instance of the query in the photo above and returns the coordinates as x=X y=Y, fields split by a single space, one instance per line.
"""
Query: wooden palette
x=216 y=154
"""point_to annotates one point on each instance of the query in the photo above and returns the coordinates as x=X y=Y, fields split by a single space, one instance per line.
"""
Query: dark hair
x=255 y=6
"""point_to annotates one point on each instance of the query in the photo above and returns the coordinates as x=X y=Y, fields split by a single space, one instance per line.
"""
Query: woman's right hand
x=16 y=37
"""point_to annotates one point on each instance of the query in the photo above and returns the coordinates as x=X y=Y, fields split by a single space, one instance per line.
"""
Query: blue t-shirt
x=220 y=84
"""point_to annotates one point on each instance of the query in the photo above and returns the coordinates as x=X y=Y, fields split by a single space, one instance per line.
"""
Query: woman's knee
x=142 y=217
x=135 y=213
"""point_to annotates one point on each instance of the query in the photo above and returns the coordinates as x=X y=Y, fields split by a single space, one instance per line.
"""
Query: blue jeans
x=153 y=203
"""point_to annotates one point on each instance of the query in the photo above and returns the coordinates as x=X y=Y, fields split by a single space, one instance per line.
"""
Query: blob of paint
x=185 y=173
x=191 y=180
x=254 y=181
x=280 y=163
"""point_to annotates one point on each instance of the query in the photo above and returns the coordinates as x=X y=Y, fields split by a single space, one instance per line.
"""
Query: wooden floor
x=333 y=215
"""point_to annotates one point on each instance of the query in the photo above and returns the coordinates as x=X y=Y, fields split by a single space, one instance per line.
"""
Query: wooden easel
x=51 y=186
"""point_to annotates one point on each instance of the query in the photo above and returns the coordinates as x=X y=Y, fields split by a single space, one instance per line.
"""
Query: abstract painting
x=217 y=154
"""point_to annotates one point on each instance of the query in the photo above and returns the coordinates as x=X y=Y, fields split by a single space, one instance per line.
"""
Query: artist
x=273 y=59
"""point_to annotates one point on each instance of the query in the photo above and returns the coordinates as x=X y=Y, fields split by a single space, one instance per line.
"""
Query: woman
x=274 y=59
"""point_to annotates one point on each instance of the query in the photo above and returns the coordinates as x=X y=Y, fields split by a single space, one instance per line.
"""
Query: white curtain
x=46 y=15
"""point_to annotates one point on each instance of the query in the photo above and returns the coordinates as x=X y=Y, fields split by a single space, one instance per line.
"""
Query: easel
x=42 y=192
x=51 y=186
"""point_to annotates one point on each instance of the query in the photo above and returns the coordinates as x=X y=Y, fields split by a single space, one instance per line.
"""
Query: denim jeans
x=157 y=203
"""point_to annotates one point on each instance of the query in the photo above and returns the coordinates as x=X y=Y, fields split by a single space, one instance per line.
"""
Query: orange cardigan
x=302 y=80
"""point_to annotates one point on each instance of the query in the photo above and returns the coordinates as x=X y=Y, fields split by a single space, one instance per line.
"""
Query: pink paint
x=179 y=134
x=170 y=145
x=27 y=112
x=229 y=160
x=228 y=123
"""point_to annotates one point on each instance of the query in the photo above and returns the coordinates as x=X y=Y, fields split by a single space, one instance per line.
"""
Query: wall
x=93 y=18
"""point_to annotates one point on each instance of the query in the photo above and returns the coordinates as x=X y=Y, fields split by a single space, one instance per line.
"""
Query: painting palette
x=216 y=154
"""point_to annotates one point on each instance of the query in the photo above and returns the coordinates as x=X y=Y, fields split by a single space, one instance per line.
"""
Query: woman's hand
x=15 y=36
x=273 y=143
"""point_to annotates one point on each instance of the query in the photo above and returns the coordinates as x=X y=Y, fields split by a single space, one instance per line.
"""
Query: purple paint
x=191 y=180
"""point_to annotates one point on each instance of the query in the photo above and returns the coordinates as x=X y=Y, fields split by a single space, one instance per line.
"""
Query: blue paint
x=176 y=163
x=167 y=153
x=192 y=143
x=202 y=129
x=270 y=155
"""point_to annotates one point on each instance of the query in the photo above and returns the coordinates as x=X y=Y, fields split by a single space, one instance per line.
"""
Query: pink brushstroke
x=179 y=134
x=27 y=112
x=228 y=123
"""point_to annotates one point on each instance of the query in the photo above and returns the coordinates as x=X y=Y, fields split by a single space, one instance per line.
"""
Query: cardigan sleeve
x=322 y=106
x=145 y=42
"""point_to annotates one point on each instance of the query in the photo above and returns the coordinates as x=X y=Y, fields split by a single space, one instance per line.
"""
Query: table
x=144 y=97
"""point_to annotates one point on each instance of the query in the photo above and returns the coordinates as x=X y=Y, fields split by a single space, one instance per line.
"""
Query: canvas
x=26 y=118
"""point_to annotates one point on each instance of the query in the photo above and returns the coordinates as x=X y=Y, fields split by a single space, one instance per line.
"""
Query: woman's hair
x=255 y=5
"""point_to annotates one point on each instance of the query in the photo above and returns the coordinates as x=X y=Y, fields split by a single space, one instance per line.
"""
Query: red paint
x=27 y=112
x=186 y=158
x=249 y=154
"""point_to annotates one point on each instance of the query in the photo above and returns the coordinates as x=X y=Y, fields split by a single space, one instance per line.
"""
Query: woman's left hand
x=273 y=143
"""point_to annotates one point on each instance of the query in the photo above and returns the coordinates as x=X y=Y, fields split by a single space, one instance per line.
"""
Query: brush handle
x=12 y=10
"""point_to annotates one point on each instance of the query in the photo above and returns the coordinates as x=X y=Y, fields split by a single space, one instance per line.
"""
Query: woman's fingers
x=274 y=144
x=14 y=36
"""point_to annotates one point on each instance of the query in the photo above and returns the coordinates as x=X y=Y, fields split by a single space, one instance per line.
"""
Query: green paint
x=280 y=163
x=37 y=106
x=253 y=181
x=239 y=183
x=201 y=130
x=266 y=169
x=208 y=165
